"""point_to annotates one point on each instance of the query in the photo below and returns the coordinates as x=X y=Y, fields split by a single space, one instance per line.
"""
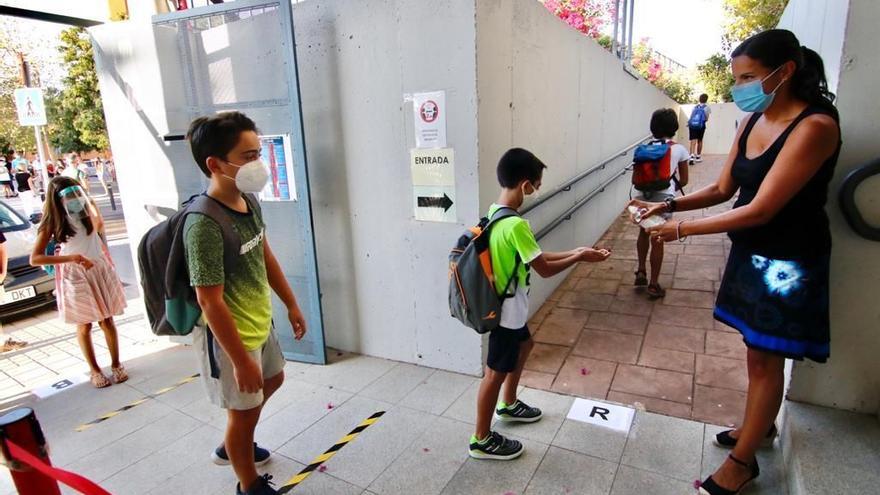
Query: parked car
x=27 y=287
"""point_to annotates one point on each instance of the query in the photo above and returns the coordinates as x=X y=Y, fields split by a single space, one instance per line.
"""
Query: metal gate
x=241 y=56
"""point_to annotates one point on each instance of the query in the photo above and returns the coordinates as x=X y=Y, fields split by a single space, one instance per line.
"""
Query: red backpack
x=652 y=166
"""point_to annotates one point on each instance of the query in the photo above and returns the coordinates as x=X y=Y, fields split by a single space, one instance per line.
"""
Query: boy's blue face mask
x=750 y=97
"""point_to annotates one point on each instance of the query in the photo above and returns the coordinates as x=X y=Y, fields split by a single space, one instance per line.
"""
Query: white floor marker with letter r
x=602 y=414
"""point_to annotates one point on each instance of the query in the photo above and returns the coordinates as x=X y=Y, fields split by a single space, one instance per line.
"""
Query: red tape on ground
x=73 y=480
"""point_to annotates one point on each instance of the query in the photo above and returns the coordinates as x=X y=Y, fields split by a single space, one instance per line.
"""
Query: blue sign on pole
x=30 y=106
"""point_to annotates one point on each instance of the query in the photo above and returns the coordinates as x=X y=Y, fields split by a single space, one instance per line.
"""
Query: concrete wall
x=383 y=274
x=720 y=131
x=514 y=76
x=851 y=379
x=545 y=87
x=820 y=25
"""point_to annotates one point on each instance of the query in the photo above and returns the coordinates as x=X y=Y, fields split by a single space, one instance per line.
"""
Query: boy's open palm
x=591 y=255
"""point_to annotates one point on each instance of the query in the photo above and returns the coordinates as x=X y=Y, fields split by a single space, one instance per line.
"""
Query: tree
x=748 y=17
x=673 y=83
x=716 y=77
x=61 y=129
x=79 y=103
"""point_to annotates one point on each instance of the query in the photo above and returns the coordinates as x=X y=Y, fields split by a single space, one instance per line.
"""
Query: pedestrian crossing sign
x=30 y=106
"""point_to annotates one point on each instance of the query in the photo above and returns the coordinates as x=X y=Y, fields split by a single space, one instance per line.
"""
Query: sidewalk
x=596 y=337
x=53 y=353
x=418 y=446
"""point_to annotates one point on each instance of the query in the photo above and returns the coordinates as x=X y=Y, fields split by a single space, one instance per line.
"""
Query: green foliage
x=748 y=17
x=673 y=83
x=79 y=108
x=676 y=86
x=716 y=77
x=62 y=131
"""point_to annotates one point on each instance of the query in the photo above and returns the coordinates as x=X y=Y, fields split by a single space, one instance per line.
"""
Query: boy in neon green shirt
x=514 y=249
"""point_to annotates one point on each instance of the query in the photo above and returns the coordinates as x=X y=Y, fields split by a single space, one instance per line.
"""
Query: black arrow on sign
x=435 y=202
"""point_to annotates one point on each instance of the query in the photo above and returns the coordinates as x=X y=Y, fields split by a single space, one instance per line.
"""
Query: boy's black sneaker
x=495 y=447
x=262 y=486
x=518 y=412
x=221 y=458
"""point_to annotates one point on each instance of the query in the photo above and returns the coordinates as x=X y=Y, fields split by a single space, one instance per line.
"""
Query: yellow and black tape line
x=326 y=456
x=105 y=417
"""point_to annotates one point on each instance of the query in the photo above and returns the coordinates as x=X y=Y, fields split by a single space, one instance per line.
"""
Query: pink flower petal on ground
x=697 y=484
x=330 y=405
x=322 y=468
x=509 y=493
x=585 y=371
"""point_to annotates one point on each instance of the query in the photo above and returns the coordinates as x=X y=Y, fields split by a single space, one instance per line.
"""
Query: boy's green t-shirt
x=509 y=237
x=246 y=288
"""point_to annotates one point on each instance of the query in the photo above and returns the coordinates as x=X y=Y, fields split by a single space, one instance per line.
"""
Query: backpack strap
x=213 y=209
x=501 y=214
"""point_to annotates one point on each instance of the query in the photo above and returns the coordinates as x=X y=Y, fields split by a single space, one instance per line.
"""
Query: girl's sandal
x=119 y=374
x=99 y=380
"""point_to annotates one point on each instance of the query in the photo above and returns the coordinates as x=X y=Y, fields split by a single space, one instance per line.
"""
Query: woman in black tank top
x=775 y=285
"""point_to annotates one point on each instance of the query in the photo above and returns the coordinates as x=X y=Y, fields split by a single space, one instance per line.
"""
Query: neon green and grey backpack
x=473 y=298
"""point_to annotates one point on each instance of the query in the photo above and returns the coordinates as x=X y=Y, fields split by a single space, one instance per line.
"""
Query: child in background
x=89 y=290
x=664 y=125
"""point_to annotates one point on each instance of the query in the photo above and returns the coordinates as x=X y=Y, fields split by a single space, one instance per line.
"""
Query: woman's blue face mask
x=750 y=97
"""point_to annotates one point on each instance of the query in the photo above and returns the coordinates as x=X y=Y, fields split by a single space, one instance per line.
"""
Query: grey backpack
x=473 y=299
x=171 y=304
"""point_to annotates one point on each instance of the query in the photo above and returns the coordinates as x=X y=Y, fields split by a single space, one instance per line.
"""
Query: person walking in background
x=26 y=187
x=776 y=282
x=89 y=290
x=697 y=127
x=6 y=178
x=83 y=175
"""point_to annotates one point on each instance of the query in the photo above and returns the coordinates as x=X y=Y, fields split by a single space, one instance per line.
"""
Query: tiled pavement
x=597 y=337
x=419 y=446
x=53 y=353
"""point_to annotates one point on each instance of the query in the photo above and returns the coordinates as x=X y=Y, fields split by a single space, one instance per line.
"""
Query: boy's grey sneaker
x=518 y=412
x=262 y=486
x=221 y=458
x=495 y=447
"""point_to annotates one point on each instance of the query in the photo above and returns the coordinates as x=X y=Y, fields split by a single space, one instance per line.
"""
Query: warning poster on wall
x=430 y=119
x=276 y=155
x=433 y=176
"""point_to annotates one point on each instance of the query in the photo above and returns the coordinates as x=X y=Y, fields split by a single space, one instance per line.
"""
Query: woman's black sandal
x=641 y=279
x=656 y=292
x=724 y=440
x=709 y=487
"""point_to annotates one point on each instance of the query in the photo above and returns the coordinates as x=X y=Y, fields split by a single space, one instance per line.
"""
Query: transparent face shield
x=75 y=202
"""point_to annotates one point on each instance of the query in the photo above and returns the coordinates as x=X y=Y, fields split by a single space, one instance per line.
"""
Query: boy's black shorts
x=504 y=346
x=697 y=133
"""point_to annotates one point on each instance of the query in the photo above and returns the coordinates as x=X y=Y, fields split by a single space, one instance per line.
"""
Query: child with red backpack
x=654 y=177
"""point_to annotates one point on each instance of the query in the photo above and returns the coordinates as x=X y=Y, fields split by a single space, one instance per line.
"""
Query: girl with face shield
x=88 y=288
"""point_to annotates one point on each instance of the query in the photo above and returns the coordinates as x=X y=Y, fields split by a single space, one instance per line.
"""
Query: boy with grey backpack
x=489 y=292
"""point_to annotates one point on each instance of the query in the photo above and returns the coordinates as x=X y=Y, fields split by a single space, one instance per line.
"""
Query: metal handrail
x=566 y=186
x=847 y=199
x=580 y=204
